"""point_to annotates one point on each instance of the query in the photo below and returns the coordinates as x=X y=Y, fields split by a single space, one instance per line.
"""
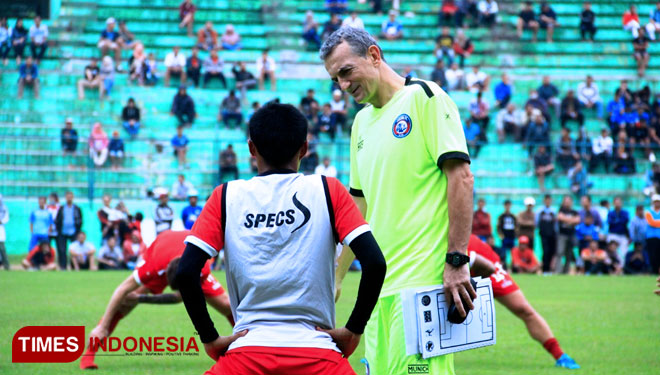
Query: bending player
x=486 y=263
x=279 y=231
x=152 y=275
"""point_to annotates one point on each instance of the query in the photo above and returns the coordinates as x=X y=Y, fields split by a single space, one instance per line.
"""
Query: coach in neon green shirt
x=411 y=178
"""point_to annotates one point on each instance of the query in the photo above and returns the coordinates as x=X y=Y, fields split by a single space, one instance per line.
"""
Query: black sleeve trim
x=373 y=264
x=223 y=206
x=356 y=193
x=331 y=210
x=426 y=87
x=187 y=277
x=453 y=155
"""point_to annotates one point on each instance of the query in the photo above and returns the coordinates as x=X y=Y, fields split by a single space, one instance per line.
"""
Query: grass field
x=610 y=325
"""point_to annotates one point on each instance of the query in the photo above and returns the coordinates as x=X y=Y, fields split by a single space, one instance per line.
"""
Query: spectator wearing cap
x=175 y=65
x=266 y=70
x=110 y=255
x=546 y=221
x=82 y=253
x=190 y=213
x=40 y=222
x=28 y=75
x=618 y=220
x=391 y=29
x=481 y=221
x=506 y=229
x=542 y=166
x=228 y=163
x=231 y=40
x=69 y=139
x=230 y=110
x=594 y=259
x=183 y=107
x=163 y=213
x=526 y=221
x=487 y=12
x=652 y=216
x=110 y=41
x=40 y=257
x=181 y=188
x=116 y=150
x=68 y=222
x=523 y=259
x=180 y=144
x=130 y=117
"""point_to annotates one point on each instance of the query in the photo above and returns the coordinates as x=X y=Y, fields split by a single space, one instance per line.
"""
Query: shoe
x=567 y=362
x=87 y=361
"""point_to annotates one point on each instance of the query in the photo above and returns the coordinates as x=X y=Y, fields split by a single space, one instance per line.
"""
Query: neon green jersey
x=396 y=154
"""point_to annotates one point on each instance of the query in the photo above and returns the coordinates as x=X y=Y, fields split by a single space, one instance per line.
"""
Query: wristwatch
x=457 y=259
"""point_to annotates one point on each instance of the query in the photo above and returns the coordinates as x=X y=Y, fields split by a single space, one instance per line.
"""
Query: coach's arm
x=460 y=185
x=187 y=278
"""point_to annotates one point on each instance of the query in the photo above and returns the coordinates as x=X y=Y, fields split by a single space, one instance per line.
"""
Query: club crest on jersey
x=402 y=126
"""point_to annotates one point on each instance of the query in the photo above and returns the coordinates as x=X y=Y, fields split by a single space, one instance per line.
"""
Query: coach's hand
x=219 y=347
x=346 y=340
x=456 y=281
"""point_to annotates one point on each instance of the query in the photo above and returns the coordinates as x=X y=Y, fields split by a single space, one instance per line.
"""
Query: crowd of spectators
x=590 y=240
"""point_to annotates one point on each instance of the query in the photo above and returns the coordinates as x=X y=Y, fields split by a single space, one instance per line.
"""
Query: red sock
x=552 y=346
x=113 y=324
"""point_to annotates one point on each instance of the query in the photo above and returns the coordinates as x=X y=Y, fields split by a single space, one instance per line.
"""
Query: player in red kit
x=153 y=273
x=486 y=263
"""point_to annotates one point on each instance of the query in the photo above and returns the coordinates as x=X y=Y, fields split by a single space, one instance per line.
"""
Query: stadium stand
x=32 y=162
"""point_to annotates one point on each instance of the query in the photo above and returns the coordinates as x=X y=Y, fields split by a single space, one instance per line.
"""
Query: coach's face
x=357 y=75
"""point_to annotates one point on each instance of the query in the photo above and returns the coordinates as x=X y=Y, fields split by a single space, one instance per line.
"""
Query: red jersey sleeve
x=32 y=253
x=344 y=213
x=207 y=232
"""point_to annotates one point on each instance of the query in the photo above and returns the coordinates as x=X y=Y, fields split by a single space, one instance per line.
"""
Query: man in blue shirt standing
x=28 y=75
x=618 y=220
x=40 y=222
x=503 y=92
x=191 y=213
x=68 y=223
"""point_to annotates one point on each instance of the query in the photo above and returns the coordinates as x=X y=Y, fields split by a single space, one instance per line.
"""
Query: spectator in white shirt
x=510 y=121
x=175 y=63
x=487 y=12
x=181 y=188
x=339 y=111
x=589 y=96
x=38 y=39
x=602 y=148
x=266 y=70
x=326 y=169
x=476 y=80
x=455 y=77
x=353 y=21
x=82 y=253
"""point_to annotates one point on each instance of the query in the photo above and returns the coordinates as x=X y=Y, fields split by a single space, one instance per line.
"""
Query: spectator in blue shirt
x=638 y=226
x=28 y=75
x=580 y=183
x=392 y=29
x=503 y=92
x=587 y=231
x=618 y=219
x=336 y=6
x=180 y=145
x=654 y=22
x=116 y=150
x=472 y=131
x=40 y=223
x=616 y=110
x=587 y=208
x=110 y=41
x=191 y=213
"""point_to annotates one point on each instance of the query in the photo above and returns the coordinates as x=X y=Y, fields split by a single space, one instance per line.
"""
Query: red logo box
x=48 y=344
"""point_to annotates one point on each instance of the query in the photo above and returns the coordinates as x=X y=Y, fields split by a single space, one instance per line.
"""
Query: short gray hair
x=358 y=39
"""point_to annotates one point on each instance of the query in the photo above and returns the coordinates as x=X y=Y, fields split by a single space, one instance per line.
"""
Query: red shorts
x=210 y=286
x=259 y=360
x=503 y=284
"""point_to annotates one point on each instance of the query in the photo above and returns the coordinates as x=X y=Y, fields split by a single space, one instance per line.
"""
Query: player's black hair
x=172 y=267
x=507 y=202
x=278 y=131
x=139 y=216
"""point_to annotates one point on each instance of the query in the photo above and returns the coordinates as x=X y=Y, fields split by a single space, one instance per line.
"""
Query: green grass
x=610 y=325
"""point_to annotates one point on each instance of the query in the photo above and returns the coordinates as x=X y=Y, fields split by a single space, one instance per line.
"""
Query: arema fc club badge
x=402 y=126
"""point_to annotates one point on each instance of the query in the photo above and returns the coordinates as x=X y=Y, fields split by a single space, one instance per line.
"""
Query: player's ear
x=373 y=54
x=252 y=148
x=303 y=150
